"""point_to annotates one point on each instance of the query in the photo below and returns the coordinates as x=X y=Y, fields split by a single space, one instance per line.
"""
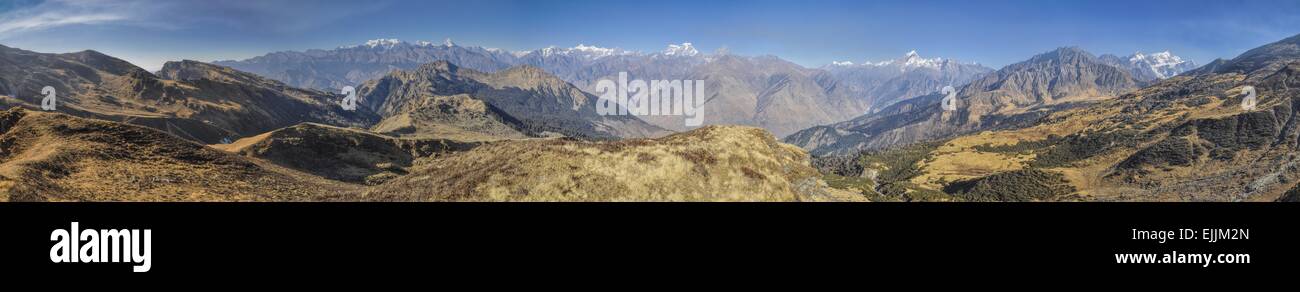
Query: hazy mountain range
x=885 y=83
x=211 y=104
x=437 y=98
x=1188 y=138
x=1013 y=96
x=763 y=91
x=521 y=126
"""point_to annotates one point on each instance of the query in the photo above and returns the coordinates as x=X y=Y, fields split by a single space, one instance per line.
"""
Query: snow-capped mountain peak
x=682 y=50
x=914 y=60
x=1161 y=58
x=911 y=60
x=385 y=43
x=448 y=43
x=1162 y=65
x=590 y=52
x=594 y=51
x=842 y=63
x=583 y=50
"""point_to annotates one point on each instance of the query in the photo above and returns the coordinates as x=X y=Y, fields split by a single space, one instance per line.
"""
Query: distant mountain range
x=1147 y=68
x=441 y=99
x=885 y=83
x=443 y=122
x=1187 y=138
x=216 y=104
x=1015 y=95
x=353 y=65
x=764 y=91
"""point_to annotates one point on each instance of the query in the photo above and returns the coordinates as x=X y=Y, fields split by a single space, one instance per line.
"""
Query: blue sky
x=808 y=32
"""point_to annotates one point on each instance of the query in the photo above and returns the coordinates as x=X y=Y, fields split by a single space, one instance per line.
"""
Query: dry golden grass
x=55 y=157
x=717 y=163
x=1098 y=176
x=343 y=154
x=958 y=160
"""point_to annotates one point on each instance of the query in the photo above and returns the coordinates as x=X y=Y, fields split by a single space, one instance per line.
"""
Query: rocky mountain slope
x=760 y=91
x=194 y=100
x=1013 y=96
x=520 y=100
x=888 y=82
x=353 y=65
x=1188 y=138
x=214 y=104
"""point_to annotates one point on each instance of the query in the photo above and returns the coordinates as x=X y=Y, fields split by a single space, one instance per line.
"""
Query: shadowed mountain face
x=352 y=66
x=347 y=155
x=764 y=91
x=193 y=100
x=1270 y=57
x=758 y=91
x=510 y=103
x=1187 y=138
x=1014 y=96
x=212 y=104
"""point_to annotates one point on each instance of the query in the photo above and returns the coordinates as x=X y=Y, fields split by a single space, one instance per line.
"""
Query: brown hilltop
x=193 y=100
x=347 y=155
x=56 y=157
x=715 y=163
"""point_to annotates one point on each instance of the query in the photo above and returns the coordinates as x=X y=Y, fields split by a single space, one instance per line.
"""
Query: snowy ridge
x=377 y=43
x=590 y=52
x=1162 y=64
x=582 y=50
x=682 y=50
x=911 y=60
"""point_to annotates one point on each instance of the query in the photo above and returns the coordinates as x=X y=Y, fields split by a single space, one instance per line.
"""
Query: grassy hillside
x=716 y=163
x=56 y=157
x=1184 y=139
x=342 y=154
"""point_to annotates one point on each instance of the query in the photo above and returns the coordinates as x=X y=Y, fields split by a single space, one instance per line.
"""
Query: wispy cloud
x=285 y=16
x=57 y=13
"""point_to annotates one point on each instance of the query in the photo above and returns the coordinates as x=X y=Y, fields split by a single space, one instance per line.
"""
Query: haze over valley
x=392 y=120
